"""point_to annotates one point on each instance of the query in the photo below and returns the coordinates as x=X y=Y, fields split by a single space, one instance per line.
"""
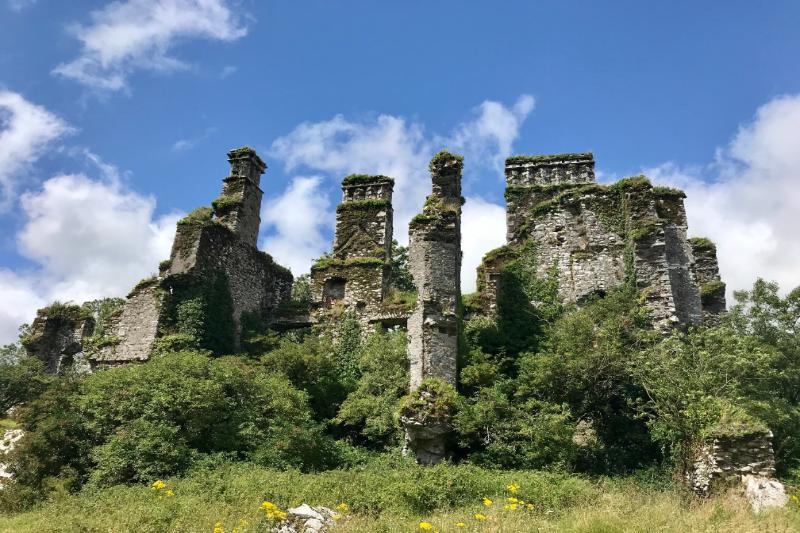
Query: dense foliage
x=592 y=389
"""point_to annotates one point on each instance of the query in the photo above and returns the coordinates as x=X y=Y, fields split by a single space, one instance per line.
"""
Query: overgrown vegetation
x=591 y=390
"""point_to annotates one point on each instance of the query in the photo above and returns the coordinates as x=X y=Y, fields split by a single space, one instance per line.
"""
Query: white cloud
x=489 y=137
x=748 y=200
x=26 y=131
x=299 y=221
x=128 y=35
x=89 y=238
x=92 y=238
x=483 y=228
x=401 y=149
x=19 y=300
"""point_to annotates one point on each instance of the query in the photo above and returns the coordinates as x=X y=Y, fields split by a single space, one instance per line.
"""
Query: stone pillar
x=435 y=264
x=706 y=273
x=239 y=205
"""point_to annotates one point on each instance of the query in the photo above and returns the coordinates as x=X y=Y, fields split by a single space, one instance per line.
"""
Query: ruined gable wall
x=136 y=326
x=56 y=336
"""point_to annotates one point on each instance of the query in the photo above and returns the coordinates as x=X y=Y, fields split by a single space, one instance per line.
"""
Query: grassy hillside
x=392 y=495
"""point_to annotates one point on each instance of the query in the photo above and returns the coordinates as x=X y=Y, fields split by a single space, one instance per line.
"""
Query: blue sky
x=116 y=117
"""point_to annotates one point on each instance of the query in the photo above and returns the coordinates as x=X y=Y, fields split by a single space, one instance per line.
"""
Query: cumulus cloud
x=748 y=199
x=488 y=138
x=128 y=35
x=26 y=131
x=396 y=147
x=88 y=238
x=298 y=222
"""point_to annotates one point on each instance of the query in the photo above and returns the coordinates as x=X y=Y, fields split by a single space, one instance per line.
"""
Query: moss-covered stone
x=364 y=179
x=522 y=159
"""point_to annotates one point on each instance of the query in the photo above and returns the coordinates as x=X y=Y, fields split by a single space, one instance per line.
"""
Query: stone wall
x=724 y=460
x=355 y=277
x=434 y=257
x=706 y=272
x=596 y=237
x=57 y=334
x=214 y=266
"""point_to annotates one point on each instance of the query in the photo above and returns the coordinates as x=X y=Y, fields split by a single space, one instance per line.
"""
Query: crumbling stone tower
x=435 y=264
x=355 y=277
x=596 y=237
x=215 y=285
x=434 y=258
x=238 y=207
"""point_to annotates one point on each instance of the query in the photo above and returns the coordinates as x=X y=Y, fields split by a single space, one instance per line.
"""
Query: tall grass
x=392 y=495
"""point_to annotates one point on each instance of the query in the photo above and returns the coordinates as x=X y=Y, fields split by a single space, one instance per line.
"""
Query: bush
x=136 y=423
x=21 y=380
x=368 y=413
x=496 y=431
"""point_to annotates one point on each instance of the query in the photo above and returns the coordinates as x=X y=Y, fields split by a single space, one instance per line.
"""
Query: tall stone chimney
x=435 y=264
x=239 y=205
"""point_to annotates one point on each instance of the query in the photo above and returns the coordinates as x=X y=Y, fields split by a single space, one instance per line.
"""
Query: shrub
x=21 y=381
x=368 y=413
x=497 y=431
x=135 y=423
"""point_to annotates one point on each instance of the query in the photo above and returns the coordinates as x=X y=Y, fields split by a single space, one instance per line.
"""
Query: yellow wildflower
x=461 y=524
x=343 y=507
x=510 y=507
x=158 y=485
x=425 y=525
x=479 y=516
x=168 y=493
x=487 y=502
x=218 y=528
x=512 y=500
x=268 y=506
x=529 y=506
x=513 y=488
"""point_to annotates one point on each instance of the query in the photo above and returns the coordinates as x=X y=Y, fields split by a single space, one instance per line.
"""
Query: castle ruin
x=355 y=277
x=594 y=238
x=215 y=285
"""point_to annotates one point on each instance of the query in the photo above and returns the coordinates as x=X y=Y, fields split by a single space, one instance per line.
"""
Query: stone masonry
x=215 y=285
x=743 y=459
x=435 y=264
x=355 y=277
x=595 y=237
x=56 y=336
x=706 y=273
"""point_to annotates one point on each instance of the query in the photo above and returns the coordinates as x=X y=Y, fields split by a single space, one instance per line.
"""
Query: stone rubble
x=307 y=519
